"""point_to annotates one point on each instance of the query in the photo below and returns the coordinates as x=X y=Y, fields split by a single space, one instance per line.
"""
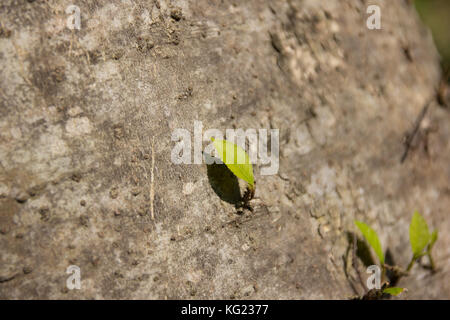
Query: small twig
x=410 y=136
x=355 y=261
x=152 y=191
x=410 y=265
x=398 y=272
x=347 y=275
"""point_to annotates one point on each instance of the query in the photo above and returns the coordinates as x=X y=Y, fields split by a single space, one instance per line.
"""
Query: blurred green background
x=436 y=15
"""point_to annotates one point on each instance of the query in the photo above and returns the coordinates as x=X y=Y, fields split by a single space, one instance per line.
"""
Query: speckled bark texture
x=80 y=109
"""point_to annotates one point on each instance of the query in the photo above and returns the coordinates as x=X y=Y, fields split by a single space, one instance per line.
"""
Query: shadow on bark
x=392 y=276
x=362 y=249
x=224 y=183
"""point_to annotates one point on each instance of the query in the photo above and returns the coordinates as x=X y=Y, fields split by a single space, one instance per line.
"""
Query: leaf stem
x=432 y=265
x=411 y=264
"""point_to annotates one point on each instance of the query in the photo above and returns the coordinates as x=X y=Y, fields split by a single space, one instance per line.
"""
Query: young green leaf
x=372 y=238
x=434 y=237
x=236 y=159
x=419 y=236
x=394 y=291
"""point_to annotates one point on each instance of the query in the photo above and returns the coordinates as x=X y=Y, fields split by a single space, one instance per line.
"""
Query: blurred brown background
x=436 y=14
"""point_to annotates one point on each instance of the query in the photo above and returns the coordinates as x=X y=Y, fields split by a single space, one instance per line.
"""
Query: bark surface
x=83 y=113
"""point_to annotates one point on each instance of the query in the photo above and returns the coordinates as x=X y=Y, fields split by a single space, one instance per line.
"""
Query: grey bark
x=80 y=110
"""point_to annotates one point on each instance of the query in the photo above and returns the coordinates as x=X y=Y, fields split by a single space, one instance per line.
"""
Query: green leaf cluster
x=420 y=238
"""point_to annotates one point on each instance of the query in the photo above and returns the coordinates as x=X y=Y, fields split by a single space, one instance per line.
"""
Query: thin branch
x=410 y=136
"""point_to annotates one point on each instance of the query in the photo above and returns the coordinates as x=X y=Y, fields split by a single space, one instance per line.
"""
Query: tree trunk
x=87 y=177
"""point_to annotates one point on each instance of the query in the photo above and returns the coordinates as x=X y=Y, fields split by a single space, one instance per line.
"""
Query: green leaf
x=419 y=236
x=394 y=291
x=236 y=159
x=372 y=238
x=434 y=237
